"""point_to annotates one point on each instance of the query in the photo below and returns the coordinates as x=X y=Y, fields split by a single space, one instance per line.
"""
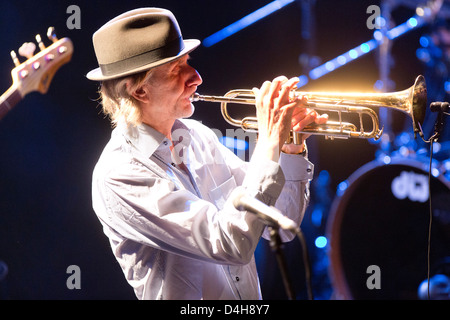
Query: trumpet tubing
x=411 y=101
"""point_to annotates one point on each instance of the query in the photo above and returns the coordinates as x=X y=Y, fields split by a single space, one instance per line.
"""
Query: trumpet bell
x=418 y=104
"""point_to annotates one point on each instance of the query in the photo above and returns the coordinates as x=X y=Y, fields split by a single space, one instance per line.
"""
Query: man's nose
x=195 y=79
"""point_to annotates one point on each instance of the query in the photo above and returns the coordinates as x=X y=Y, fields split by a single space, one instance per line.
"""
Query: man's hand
x=301 y=118
x=278 y=112
x=274 y=110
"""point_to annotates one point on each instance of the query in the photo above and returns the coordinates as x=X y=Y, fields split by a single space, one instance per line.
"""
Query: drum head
x=378 y=231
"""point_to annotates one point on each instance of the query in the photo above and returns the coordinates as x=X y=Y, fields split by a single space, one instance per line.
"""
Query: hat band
x=171 y=49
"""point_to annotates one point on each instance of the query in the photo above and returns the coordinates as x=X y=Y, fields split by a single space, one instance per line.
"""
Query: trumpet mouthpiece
x=194 y=97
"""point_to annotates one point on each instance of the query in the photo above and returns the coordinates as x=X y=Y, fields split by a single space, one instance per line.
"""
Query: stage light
x=380 y=21
x=317 y=73
x=419 y=11
x=378 y=35
x=329 y=66
x=245 y=22
x=321 y=242
x=353 y=54
x=435 y=172
x=447 y=86
x=342 y=187
x=446 y=165
x=386 y=159
x=303 y=81
x=234 y=143
x=423 y=55
x=365 y=47
x=379 y=85
x=424 y=42
x=341 y=60
x=412 y=22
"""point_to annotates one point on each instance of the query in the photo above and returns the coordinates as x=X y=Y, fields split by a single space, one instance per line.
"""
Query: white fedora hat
x=136 y=41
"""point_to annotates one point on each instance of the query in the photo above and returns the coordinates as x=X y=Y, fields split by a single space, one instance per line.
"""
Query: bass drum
x=378 y=231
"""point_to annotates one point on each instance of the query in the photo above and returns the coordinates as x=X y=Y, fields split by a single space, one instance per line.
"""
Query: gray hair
x=117 y=100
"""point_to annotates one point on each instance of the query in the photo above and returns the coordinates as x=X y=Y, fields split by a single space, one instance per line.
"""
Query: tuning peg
x=15 y=59
x=27 y=50
x=51 y=34
x=39 y=41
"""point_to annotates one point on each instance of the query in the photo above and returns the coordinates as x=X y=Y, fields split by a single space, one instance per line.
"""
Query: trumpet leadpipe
x=198 y=97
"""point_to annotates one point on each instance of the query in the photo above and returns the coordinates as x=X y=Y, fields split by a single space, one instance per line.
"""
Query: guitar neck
x=8 y=100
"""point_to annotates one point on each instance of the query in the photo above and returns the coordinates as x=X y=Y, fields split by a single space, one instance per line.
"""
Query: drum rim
x=335 y=268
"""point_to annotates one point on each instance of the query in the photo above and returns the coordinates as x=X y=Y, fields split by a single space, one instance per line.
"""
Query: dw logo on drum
x=411 y=185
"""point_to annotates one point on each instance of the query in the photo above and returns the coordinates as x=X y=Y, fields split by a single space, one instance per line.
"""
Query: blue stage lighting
x=342 y=187
x=379 y=85
x=424 y=41
x=321 y=242
x=412 y=22
x=353 y=54
x=365 y=47
x=341 y=60
x=245 y=22
x=303 y=81
x=234 y=143
x=329 y=66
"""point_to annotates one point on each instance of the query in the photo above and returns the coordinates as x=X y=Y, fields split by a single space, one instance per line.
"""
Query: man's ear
x=141 y=94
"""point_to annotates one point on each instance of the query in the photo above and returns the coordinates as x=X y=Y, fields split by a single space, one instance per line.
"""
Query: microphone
x=438 y=106
x=269 y=215
x=441 y=108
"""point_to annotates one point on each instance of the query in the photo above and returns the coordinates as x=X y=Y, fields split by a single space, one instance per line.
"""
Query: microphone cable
x=306 y=262
x=430 y=222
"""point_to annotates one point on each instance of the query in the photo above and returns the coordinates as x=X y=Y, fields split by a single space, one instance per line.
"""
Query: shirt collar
x=146 y=139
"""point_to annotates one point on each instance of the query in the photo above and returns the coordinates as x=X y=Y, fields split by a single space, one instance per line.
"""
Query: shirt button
x=165 y=142
x=237 y=278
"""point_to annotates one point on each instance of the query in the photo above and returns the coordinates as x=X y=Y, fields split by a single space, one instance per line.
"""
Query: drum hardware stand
x=385 y=62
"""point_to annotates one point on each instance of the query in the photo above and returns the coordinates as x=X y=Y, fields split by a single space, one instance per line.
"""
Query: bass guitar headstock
x=36 y=73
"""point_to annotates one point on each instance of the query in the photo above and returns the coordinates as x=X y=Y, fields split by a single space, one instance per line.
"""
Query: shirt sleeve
x=148 y=208
x=294 y=197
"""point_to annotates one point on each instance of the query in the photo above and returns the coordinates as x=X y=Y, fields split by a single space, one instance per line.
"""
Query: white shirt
x=173 y=232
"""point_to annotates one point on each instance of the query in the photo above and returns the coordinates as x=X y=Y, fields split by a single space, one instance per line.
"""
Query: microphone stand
x=275 y=221
x=276 y=246
x=441 y=108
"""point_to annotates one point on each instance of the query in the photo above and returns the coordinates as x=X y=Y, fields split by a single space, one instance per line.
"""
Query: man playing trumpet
x=168 y=210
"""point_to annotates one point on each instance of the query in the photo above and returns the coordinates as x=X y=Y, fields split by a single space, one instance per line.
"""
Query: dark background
x=50 y=143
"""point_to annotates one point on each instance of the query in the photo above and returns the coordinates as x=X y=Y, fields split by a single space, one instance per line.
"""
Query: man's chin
x=189 y=111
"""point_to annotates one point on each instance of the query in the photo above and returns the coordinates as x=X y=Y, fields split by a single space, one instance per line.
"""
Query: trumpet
x=411 y=101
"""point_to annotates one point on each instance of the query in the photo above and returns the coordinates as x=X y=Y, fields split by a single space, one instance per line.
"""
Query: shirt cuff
x=296 y=167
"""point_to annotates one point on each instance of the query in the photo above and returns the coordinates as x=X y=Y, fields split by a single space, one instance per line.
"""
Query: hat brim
x=97 y=75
